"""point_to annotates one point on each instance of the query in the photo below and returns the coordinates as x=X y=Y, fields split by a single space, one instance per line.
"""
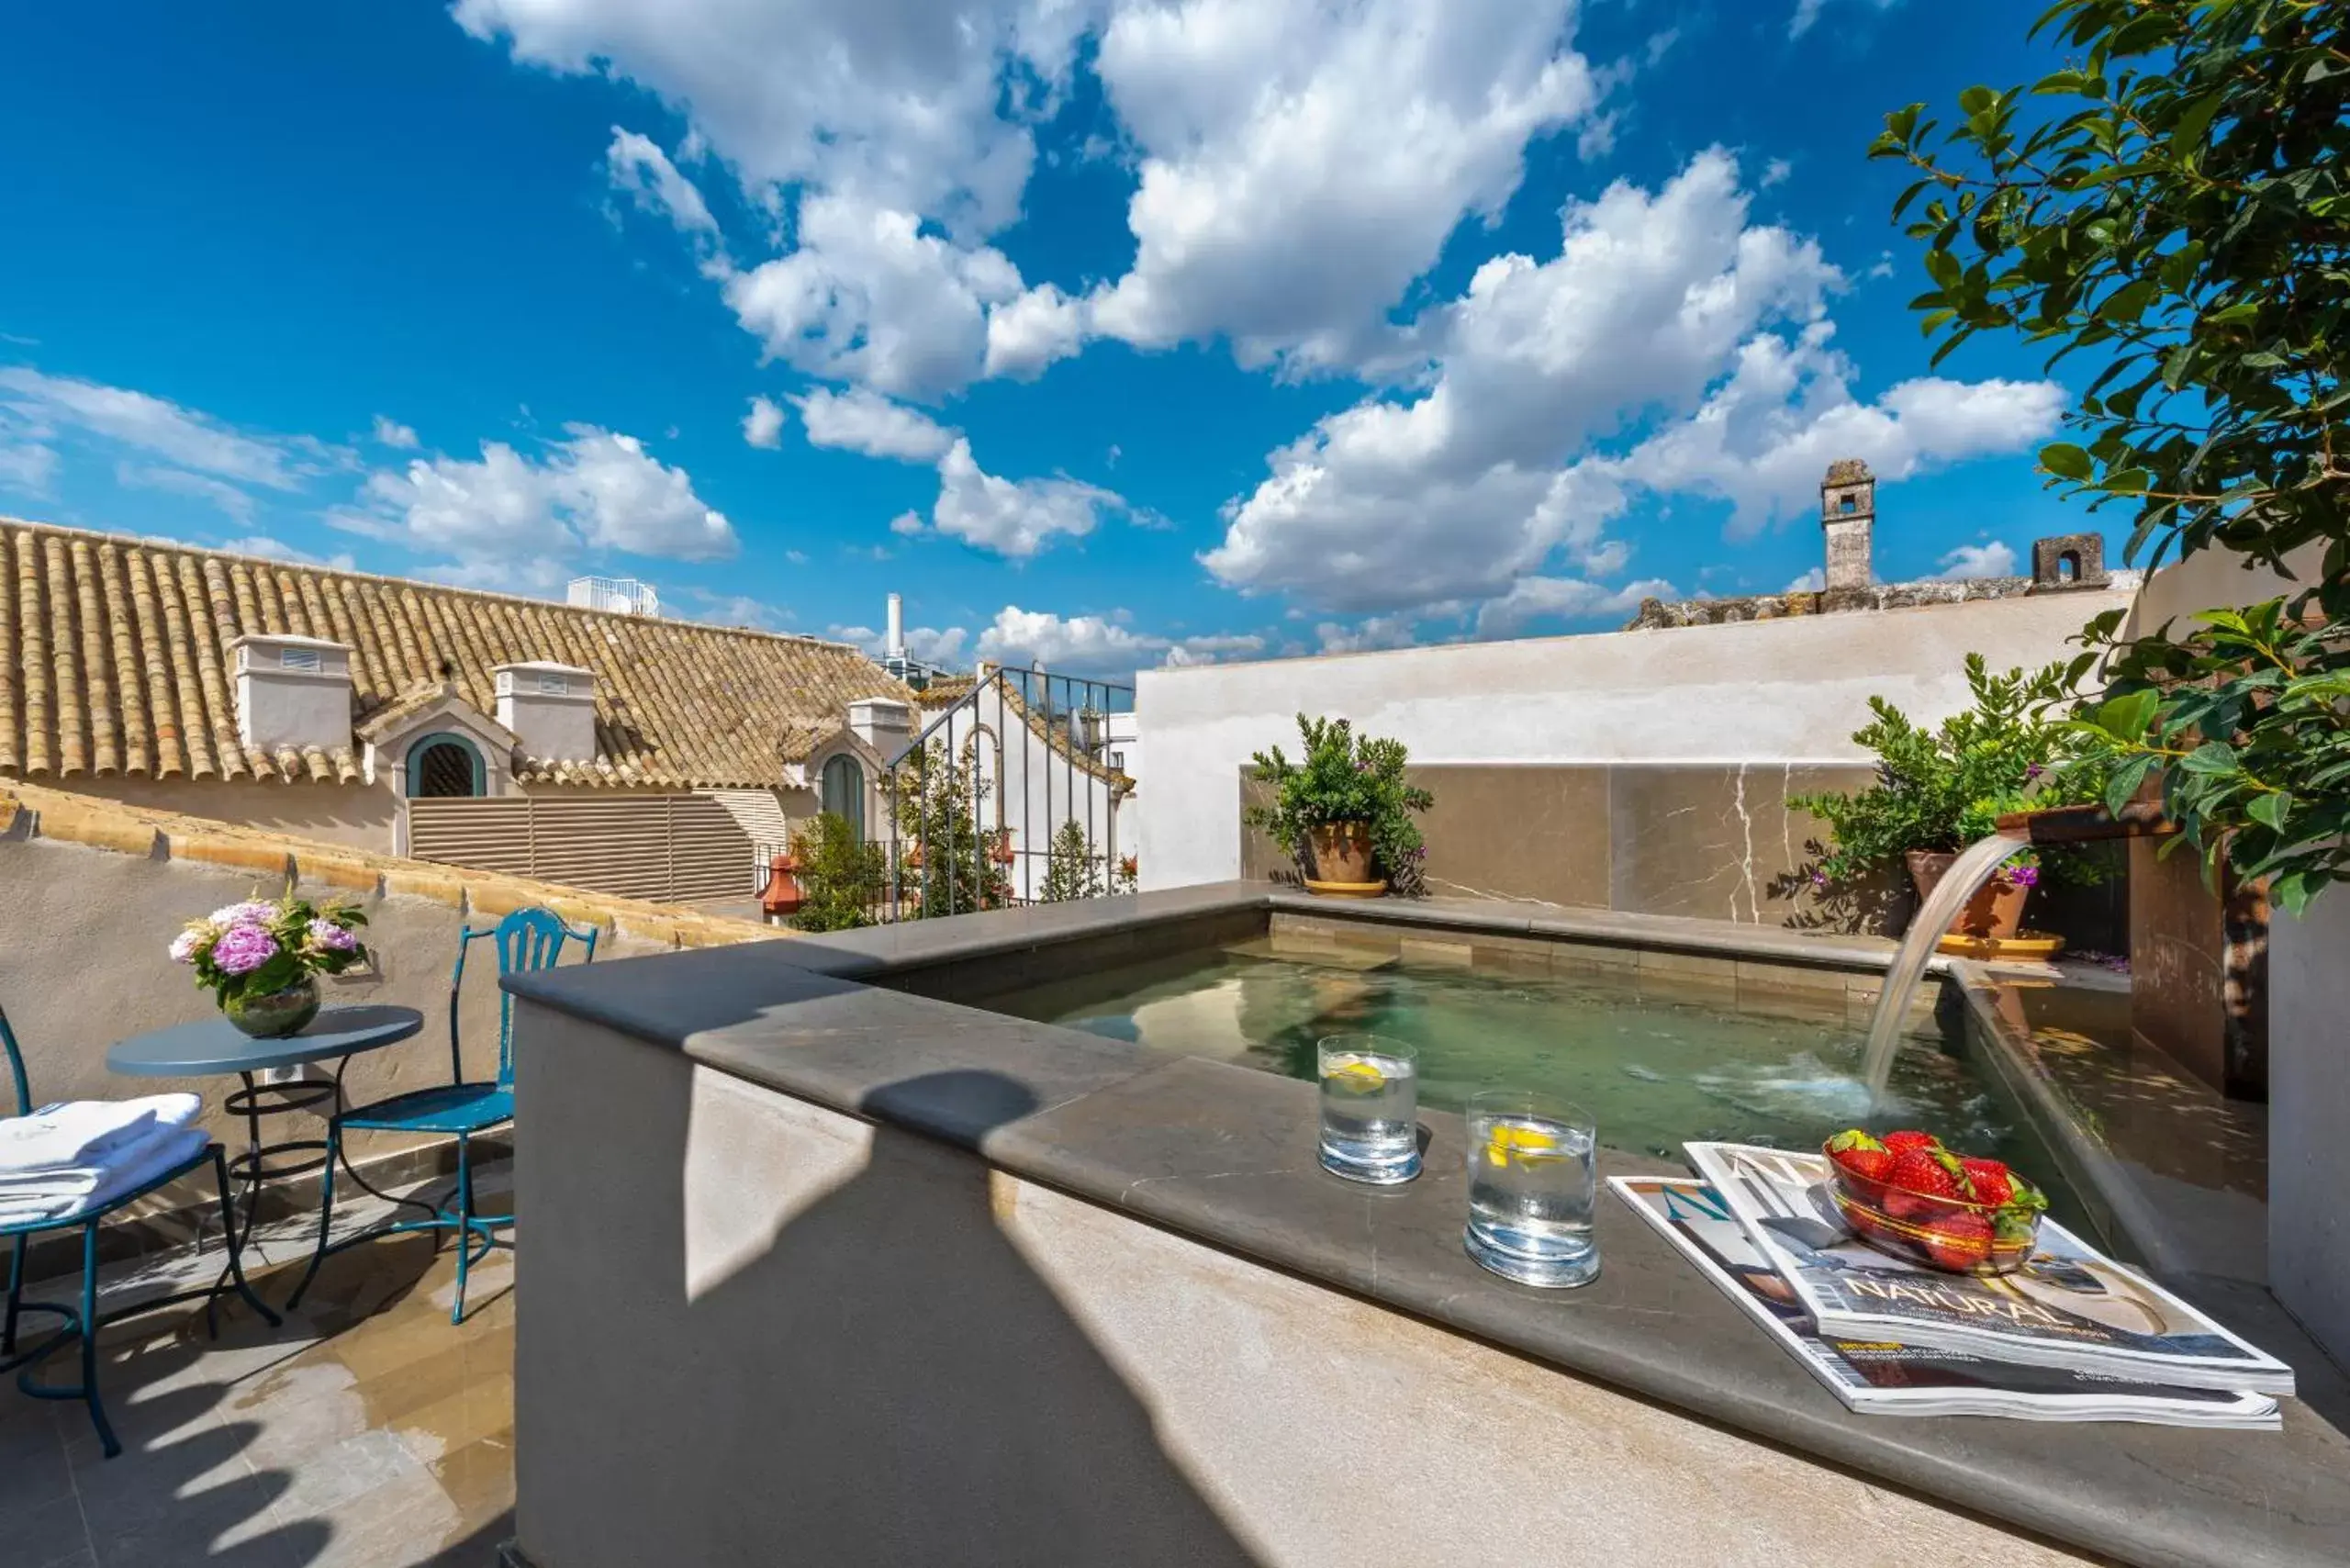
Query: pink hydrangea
x=241 y=950
x=184 y=945
x=326 y=935
x=253 y=912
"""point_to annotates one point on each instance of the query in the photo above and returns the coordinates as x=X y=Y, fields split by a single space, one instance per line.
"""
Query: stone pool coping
x=1224 y=1154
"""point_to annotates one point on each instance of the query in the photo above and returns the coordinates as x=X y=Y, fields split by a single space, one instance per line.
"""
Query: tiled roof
x=114 y=659
x=945 y=691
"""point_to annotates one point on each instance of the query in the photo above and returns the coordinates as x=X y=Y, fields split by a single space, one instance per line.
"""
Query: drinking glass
x=1370 y=1104
x=1531 y=1182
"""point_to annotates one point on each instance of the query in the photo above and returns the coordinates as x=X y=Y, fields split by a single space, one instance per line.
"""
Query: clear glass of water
x=1371 y=1107
x=1531 y=1182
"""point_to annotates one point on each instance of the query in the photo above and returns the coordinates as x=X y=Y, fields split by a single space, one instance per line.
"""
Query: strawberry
x=1959 y=1242
x=1857 y=1154
x=1924 y=1183
x=1905 y=1142
x=1991 y=1181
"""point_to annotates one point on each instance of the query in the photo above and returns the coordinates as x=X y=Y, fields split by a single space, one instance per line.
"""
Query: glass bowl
x=1948 y=1234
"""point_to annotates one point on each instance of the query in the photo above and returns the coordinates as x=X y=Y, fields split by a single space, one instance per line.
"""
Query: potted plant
x=1940 y=790
x=840 y=875
x=260 y=959
x=1343 y=811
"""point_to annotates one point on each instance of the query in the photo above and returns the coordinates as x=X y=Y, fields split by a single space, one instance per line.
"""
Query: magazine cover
x=2070 y=1306
x=1885 y=1379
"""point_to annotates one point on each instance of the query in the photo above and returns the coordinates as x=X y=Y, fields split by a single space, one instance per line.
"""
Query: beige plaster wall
x=848 y=1345
x=1764 y=694
x=82 y=933
x=360 y=815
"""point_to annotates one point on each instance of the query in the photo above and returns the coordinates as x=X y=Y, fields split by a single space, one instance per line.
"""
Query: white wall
x=1789 y=690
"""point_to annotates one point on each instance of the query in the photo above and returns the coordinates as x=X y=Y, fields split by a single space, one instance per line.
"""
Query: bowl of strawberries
x=1905 y=1195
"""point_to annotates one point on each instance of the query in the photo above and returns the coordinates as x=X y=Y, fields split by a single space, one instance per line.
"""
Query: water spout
x=1975 y=866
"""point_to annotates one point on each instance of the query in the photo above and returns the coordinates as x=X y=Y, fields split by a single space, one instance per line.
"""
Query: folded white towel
x=80 y=1181
x=155 y=1156
x=77 y=1133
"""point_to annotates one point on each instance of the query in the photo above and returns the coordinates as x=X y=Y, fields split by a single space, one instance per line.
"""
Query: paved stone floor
x=366 y=1432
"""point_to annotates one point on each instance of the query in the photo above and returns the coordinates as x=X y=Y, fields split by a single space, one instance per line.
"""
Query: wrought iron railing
x=1016 y=793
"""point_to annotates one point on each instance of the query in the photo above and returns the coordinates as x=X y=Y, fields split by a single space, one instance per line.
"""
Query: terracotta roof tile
x=114 y=659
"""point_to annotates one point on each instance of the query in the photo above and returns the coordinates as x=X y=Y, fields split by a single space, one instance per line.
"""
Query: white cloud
x=1763 y=439
x=1301 y=162
x=763 y=425
x=643 y=172
x=236 y=504
x=1563 y=599
x=1011 y=517
x=865 y=422
x=1666 y=312
x=941 y=647
x=1776 y=172
x=595 y=489
x=907 y=524
x=868 y=296
x=1466 y=489
x=1028 y=333
x=278 y=549
x=26 y=466
x=391 y=432
x=1217 y=648
x=1807 y=12
x=180 y=436
x=1992 y=559
x=1812 y=581
x=1077 y=644
x=1371 y=633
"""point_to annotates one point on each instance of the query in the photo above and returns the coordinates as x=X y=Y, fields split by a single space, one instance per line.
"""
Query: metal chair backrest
x=527 y=939
x=16 y=1065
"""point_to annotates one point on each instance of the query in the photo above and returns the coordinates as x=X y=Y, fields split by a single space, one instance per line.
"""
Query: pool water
x=1654 y=1071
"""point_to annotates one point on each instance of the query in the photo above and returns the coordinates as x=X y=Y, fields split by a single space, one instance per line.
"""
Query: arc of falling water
x=1976 y=865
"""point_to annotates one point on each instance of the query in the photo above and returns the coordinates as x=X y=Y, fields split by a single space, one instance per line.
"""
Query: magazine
x=2069 y=1306
x=1881 y=1379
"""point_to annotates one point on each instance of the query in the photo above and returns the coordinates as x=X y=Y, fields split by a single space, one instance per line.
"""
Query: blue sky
x=1108 y=332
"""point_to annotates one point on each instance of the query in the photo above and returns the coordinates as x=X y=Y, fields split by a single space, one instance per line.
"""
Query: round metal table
x=214 y=1046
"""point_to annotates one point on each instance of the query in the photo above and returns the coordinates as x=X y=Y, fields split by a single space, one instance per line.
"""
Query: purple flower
x=253 y=912
x=2023 y=876
x=184 y=945
x=2034 y=771
x=243 y=948
x=333 y=938
x=1819 y=878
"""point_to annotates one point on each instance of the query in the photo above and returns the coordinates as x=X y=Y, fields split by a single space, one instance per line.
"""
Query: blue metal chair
x=84 y=1323
x=527 y=939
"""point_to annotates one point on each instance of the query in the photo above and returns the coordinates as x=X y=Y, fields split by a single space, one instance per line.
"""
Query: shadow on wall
x=900 y=1386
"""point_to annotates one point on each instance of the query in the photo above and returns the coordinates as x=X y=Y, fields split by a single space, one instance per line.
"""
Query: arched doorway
x=443 y=766
x=842 y=790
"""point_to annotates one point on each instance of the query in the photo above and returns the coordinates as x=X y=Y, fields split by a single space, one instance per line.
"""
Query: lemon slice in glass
x=1358 y=1075
x=1526 y=1143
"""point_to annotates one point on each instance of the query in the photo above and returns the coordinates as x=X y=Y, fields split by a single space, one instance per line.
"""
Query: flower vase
x=1338 y=861
x=273 y=1015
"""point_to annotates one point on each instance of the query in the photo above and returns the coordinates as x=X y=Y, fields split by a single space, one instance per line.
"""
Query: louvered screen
x=668 y=848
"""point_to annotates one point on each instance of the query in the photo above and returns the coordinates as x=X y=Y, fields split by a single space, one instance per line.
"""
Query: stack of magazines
x=2072 y=1336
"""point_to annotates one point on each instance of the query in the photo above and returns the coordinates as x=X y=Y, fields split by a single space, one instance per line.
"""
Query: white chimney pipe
x=896 y=646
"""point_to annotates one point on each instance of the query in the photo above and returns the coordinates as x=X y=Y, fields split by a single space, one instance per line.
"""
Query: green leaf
x=2269 y=810
x=2126 y=718
x=2067 y=461
x=2123 y=785
x=2212 y=758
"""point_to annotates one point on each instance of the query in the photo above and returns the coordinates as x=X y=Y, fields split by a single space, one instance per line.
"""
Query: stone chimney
x=1848 y=514
x=551 y=707
x=2068 y=561
x=291 y=691
x=886 y=725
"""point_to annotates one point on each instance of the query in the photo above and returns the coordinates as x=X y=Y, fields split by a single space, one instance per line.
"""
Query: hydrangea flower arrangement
x=263 y=946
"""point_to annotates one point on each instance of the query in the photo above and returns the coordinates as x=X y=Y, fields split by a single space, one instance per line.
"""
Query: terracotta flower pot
x=1996 y=911
x=1338 y=855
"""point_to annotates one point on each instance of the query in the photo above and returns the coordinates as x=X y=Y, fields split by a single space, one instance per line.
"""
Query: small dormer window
x=554 y=685
x=304 y=659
